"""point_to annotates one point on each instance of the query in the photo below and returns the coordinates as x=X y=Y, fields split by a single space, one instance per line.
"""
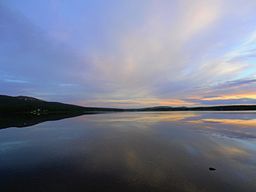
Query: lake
x=146 y=151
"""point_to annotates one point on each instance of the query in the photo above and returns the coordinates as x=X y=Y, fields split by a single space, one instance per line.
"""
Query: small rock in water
x=212 y=169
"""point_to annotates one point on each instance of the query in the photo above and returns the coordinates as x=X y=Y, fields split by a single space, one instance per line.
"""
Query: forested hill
x=24 y=104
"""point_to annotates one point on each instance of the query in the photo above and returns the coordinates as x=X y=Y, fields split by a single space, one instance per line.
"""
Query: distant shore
x=34 y=106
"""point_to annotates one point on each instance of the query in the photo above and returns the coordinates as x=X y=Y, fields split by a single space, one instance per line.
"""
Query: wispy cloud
x=155 y=53
x=235 y=83
x=15 y=81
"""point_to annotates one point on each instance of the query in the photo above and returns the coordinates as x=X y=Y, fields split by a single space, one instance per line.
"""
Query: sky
x=129 y=53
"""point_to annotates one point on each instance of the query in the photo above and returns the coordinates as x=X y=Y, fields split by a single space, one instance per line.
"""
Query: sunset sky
x=129 y=53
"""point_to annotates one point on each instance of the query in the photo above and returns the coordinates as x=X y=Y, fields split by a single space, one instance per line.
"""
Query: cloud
x=155 y=53
x=136 y=102
x=15 y=81
x=235 y=83
x=159 y=57
x=241 y=101
x=28 y=54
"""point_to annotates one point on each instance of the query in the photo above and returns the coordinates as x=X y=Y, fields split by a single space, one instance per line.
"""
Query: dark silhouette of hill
x=23 y=104
x=22 y=111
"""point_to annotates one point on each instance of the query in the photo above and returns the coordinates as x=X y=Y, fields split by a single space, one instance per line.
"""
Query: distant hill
x=23 y=111
x=33 y=106
x=208 y=108
x=30 y=105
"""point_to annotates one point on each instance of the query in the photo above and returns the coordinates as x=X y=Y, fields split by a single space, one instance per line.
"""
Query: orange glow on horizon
x=232 y=96
x=147 y=102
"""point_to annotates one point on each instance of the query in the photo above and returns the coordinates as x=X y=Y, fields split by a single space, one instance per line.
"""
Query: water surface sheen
x=153 y=151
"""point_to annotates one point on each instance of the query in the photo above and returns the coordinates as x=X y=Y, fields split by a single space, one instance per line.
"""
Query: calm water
x=167 y=151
